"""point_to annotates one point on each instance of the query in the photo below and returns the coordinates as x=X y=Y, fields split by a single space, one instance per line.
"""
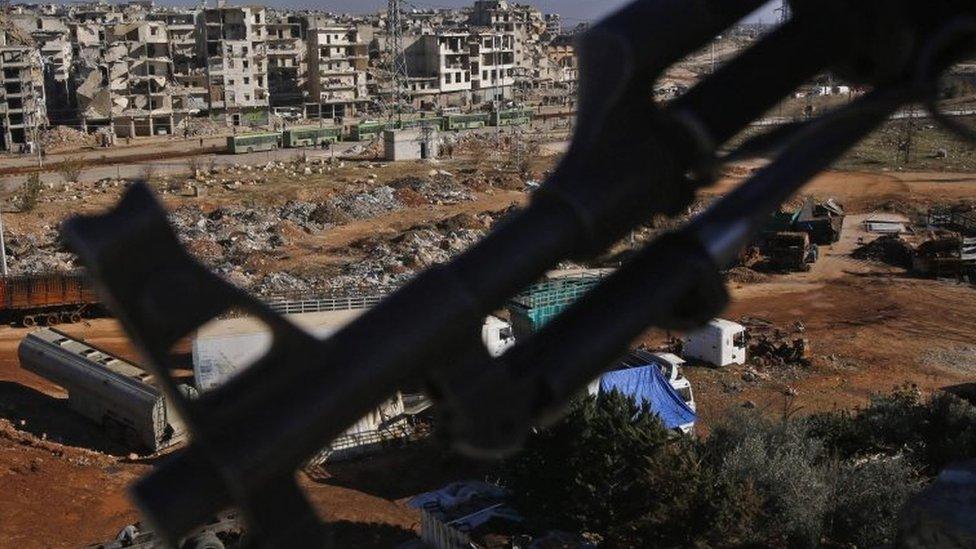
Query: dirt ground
x=871 y=327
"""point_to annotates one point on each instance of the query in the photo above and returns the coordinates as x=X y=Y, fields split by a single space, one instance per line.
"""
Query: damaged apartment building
x=23 y=109
x=130 y=83
x=134 y=69
x=499 y=53
x=234 y=52
x=338 y=59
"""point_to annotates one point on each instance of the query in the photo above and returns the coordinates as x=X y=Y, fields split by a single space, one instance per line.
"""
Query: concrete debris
x=436 y=189
x=393 y=261
x=64 y=137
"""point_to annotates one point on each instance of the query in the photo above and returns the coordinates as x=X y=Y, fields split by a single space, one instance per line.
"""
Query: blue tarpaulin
x=647 y=384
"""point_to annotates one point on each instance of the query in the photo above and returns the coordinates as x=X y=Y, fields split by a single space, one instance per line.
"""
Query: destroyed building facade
x=23 y=109
x=135 y=69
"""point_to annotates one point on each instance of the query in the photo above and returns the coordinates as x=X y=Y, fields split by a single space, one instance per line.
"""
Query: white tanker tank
x=102 y=387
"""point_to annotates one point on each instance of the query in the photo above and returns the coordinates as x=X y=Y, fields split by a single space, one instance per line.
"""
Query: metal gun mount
x=630 y=159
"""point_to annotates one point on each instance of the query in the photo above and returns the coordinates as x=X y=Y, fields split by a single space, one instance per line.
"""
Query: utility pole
x=398 y=58
x=34 y=113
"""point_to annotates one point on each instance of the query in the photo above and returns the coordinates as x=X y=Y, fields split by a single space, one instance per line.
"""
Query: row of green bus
x=315 y=136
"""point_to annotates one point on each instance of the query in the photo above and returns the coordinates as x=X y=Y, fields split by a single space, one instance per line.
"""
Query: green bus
x=435 y=121
x=513 y=117
x=310 y=136
x=465 y=121
x=252 y=142
x=370 y=129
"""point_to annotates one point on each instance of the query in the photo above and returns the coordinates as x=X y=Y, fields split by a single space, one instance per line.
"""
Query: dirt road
x=870 y=326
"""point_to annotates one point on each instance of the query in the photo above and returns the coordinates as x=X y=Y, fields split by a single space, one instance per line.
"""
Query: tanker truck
x=104 y=388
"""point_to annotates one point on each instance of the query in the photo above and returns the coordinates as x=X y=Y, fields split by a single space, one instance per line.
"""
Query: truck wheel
x=74 y=318
x=53 y=320
x=28 y=321
x=206 y=540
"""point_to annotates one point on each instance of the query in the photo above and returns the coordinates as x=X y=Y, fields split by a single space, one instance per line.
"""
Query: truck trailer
x=113 y=393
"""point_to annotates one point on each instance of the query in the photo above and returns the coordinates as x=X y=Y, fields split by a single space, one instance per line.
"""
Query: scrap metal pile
x=771 y=346
x=630 y=159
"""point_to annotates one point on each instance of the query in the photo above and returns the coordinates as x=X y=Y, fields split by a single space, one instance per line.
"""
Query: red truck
x=46 y=298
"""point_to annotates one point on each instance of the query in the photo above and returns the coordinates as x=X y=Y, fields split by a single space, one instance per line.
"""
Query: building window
x=247 y=80
x=245 y=63
x=457 y=78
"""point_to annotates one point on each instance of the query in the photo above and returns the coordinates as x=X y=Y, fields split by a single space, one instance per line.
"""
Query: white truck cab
x=720 y=342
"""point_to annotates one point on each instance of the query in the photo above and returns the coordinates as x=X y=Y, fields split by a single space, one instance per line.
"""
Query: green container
x=535 y=307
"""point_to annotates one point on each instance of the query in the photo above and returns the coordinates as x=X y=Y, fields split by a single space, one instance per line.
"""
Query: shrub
x=582 y=473
x=30 y=193
x=71 y=168
x=610 y=468
x=194 y=165
x=867 y=498
x=784 y=464
x=148 y=172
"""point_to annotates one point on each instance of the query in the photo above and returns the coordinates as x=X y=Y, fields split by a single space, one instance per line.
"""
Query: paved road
x=179 y=165
x=128 y=169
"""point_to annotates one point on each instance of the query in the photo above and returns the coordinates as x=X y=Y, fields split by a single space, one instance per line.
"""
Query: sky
x=573 y=11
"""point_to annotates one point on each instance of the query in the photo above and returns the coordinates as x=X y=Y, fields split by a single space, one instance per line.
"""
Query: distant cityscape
x=135 y=69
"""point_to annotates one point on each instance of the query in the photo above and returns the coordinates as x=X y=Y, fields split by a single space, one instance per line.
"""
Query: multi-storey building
x=439 y=67
x=287 y=59
x=142 y=70
x=232 y=47
x=492 y=65
x=52 y=36
x=189 y=80
x=337 y=62
x=141 y=79
x=22 y=106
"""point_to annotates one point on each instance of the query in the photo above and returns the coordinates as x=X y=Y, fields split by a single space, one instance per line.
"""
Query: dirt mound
x=745 y=275
x=890 y=249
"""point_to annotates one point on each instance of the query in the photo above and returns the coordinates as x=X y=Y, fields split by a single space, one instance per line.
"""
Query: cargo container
x=536 y=306
x=47 y=298
x=104 y=388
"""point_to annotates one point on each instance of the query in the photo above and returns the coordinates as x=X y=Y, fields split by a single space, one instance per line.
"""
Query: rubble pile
x=65 y=137
x=771 y=346
x=366 y=205
x=234 y=240
x=440 y=188
x=37 y=253
x=391 y=261
x=745 y=275
x=201 y=127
